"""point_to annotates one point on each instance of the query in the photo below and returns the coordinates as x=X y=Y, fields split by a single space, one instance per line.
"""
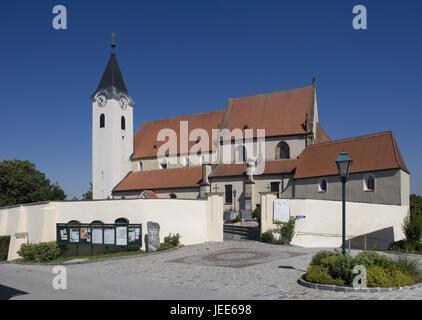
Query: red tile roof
x=279 y=113
x=146 y=137
x=271 y=167
x=161 y=179
x=369 y=153
x=151 y=194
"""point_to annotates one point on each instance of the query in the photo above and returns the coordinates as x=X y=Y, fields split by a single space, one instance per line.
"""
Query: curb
x=96 y=260
x=415 y=255
x=329 y=287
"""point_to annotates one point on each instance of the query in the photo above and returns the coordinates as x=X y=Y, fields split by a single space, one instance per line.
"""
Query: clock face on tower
x=101 y=100
x=124 y=102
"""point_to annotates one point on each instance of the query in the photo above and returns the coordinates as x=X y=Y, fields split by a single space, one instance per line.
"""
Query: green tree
x=412 y=226
x=88 y=195
x=21 y=183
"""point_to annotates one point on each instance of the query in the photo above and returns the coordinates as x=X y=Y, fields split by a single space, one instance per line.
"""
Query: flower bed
x=334 y=269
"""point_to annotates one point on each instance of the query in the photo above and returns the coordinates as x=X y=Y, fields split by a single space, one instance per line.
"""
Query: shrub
x=173 y=239
x=406 y=246
x=41 y=252
x=267 y=237
x=378 y=277
x=412 y=227
x=401 y=246
x=409 y=266
x=4 y=247
x=319 y=274
x=342 y=268
x=370 y=258
x=316 y=259
x=257 y=214
x=401 y=279
x=237 y=219
x=393 y=277
x=328 y=261
x=165 y=246
x=287 y=230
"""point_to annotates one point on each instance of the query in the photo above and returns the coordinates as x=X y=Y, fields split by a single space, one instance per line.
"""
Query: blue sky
x=181 y=57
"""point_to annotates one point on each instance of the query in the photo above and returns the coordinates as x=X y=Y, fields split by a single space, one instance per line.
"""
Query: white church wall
x=187 y=217
x=296 y=145
x=388 y=189
x=322 y=225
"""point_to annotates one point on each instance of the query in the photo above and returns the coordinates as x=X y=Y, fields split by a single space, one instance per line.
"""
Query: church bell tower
x=112 y=130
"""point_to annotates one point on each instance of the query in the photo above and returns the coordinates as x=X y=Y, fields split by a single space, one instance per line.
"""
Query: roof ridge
x=270 y=93
x=394 y=148
x=367 y=136
x=169 y=169
x=397 y=154
x=187 y=115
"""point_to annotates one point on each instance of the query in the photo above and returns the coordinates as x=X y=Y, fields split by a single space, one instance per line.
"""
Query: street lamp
x=343 y=165
x=234 y=194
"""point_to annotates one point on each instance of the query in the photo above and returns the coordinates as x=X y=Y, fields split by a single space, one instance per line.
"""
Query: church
x=295 y=154
x=194 y=174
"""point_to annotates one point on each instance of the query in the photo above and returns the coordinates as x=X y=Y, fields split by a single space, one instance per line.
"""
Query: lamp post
x=343 y=165
x=234 y=200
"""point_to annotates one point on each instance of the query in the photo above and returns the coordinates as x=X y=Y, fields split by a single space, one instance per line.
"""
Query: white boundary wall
x=322 y=226
x=197 y=221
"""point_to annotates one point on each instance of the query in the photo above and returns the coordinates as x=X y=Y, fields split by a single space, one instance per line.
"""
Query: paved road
x=239 y=270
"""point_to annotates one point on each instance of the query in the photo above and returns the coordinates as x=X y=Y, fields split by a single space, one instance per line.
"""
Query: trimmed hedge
x=334 y=268
x=40 y=252
x=4 y=247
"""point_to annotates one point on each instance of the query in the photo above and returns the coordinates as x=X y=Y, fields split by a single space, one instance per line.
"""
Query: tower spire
x=113 y=41
x=112 y=83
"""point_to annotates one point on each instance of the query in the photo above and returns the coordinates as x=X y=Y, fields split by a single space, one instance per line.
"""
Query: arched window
x=102 y=120
x=121 y=221
x=123 y=123
x=322 y=185
x=173 y=196
x=162 y=163
x=282 y=151
x=369 y=183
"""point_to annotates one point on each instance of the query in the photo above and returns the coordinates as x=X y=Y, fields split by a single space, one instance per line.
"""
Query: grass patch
x=93 y=257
